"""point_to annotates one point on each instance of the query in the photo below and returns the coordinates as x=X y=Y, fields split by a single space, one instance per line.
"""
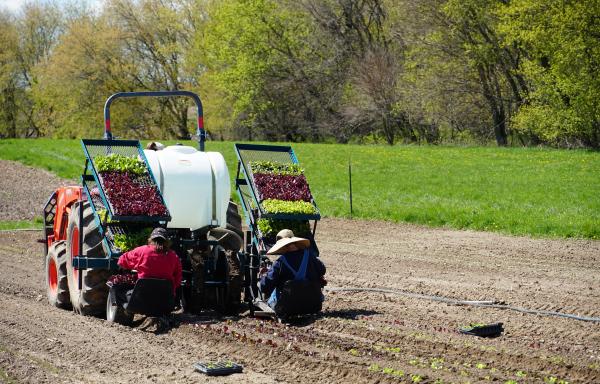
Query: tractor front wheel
x=57 y=287
x=90 y=300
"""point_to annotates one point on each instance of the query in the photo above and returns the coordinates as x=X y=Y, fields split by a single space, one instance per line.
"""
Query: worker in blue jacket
x=296 y=262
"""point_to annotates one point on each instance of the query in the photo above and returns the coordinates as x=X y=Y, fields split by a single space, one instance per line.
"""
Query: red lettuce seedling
x=282 y=187
x=131 y=198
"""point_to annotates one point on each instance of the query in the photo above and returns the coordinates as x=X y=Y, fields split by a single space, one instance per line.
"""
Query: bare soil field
x=361 y=336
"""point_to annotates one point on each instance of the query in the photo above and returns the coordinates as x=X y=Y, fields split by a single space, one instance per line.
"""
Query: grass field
x=525 y=191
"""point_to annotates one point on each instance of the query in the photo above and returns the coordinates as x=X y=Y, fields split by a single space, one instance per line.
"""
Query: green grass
x=21 y=224
x=523 y=191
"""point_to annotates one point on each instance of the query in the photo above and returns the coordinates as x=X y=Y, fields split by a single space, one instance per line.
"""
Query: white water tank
x=194 y=184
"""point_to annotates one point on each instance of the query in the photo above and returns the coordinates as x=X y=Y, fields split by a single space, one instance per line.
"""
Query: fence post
x=350 y=183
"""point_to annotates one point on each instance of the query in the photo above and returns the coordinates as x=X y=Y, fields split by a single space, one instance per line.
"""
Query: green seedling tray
x=218 y=369
x=487 y=330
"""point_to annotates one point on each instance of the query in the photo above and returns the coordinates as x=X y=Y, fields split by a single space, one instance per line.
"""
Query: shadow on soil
x=166 y=324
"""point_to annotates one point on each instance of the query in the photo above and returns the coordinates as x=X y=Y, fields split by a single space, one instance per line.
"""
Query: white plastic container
x=194 y=184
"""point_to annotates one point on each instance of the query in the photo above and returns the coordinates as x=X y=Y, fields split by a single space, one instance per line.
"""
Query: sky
x=15 y=5
x=11 y=5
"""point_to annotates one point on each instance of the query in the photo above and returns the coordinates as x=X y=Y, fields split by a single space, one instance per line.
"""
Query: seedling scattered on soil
x=436 y=363
x=554 y=380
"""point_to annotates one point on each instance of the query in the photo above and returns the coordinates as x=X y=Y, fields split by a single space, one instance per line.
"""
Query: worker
x=155 y=146
x=297 y=262
x=154 y=260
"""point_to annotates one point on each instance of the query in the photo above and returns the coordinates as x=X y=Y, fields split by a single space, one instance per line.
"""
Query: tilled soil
x=361 y=336
x=24 y=190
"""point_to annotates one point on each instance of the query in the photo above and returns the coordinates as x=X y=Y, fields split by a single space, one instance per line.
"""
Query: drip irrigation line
x=21 y=230
x=486 y=303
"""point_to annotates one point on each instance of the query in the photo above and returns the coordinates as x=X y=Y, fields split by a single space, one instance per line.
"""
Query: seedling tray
x=218 y=369
x=487 y=330
x=95 y=188
x=247 y=153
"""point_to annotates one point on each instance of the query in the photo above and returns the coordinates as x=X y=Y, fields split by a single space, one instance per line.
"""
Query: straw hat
x=285 y=238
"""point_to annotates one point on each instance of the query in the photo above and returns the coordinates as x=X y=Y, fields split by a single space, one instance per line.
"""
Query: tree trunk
x=182 y=129
x=493 y=95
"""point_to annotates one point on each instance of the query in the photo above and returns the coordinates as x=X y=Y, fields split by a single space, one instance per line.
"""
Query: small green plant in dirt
x=481 y=366
x=520 y=374
x=386 y=370
x=392 y=349
x=510 y=382
x=416 y=378
x=354 y=352
x=119 y=163
x=437 y=363
x=398 y=373
x=554 y=380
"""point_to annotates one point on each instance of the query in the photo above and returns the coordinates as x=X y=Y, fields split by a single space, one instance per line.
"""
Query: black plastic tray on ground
x=488 y=330
x=218 y=369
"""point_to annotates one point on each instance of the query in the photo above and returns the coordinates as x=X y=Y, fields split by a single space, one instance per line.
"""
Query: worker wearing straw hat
x=296 y=262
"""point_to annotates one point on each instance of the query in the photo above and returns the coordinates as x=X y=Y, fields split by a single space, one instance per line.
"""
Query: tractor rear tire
x=192 y=298
x=235 y=276
x=57 y=287
x=234 y=220
x=235 y=283
x=90 y=300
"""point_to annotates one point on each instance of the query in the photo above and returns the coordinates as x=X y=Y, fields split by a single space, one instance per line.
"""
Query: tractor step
x=263 y=309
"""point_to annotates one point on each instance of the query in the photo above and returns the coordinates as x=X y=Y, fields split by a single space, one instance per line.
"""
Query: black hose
x=487 y=304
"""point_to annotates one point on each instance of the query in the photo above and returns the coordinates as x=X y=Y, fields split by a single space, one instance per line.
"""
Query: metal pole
x=350 y=184
x=80 y=241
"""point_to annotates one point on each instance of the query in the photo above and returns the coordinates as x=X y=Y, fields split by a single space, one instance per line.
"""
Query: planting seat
x=299 y=297
x=150 y=297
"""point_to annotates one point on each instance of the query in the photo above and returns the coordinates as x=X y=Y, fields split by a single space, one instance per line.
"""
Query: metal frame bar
x=200 y=116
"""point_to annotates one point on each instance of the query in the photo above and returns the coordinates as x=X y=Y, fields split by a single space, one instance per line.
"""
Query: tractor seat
x=151 y=297
x=299 y=297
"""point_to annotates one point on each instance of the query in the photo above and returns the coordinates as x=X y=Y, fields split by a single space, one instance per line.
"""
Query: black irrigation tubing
x=486 y=304
x=21 y=230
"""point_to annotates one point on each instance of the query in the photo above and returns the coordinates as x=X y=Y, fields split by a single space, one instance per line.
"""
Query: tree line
x=513 y=72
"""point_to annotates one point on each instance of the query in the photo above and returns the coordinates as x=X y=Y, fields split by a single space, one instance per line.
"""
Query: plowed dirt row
x=361 y=337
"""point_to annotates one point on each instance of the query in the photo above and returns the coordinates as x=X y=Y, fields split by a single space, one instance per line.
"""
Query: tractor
x=180 y=188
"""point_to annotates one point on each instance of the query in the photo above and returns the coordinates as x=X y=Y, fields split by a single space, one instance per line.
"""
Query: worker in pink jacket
x=154 y=260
